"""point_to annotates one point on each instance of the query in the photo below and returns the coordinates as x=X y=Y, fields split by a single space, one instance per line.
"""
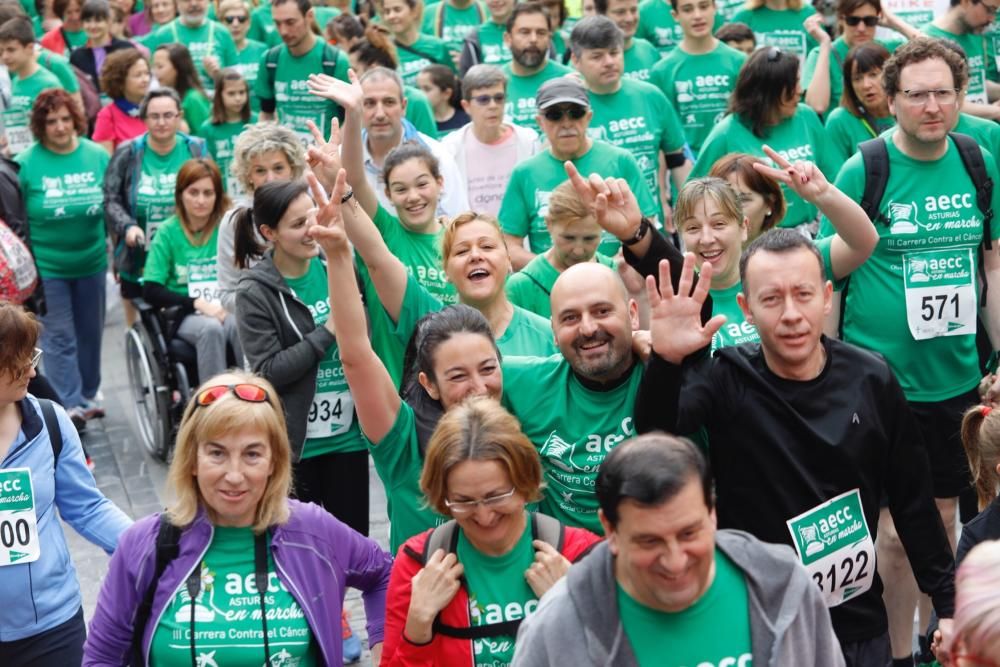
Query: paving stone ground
x=137 y=482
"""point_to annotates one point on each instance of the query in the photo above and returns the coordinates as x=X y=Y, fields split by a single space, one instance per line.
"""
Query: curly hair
x=917 y=51
x=53 y=100
x=115 y=71
x=256 y=140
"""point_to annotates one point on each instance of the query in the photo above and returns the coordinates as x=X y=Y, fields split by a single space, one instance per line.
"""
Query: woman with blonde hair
x=236 y=533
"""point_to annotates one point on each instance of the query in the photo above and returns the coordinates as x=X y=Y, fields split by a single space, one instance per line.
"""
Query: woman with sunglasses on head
x=237 y=533
x=764 y=109
x=483 y=571
x=42 y=469
x=857 y=20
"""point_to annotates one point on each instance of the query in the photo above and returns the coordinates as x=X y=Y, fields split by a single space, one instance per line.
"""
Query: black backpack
x=168 y=539
x=875 y=156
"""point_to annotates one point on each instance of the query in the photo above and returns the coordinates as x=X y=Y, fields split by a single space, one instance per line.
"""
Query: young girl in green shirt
x=230 y=115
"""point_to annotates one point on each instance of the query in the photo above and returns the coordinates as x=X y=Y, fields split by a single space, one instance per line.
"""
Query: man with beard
x=528 y=36
x=564 y=115
x=280 y=80
x=209 y=42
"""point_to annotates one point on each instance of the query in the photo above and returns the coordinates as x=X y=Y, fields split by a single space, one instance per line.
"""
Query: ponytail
x=981 y=440
x=246 y=246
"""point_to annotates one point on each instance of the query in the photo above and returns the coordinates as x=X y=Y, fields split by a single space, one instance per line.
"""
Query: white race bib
x=940 y=288
x=19 y=541
x=836 y=547
x=331 y=413
x=18 y=138
x=203 y=281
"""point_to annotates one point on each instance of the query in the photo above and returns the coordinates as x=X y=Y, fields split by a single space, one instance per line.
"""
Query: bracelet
x=347 y=197
x=640 y=233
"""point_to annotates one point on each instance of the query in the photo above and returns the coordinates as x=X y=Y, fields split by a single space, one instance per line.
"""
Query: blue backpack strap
x=52 y=427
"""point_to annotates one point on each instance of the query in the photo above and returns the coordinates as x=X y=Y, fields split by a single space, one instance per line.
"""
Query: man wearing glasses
x=487 y=149
x=917 y=300
x=564 y=115
x=964 y=23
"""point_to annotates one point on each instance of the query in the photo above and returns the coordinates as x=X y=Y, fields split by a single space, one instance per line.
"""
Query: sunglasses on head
x=854 y=21
x=250 y=393
x=236 y=19
x=555 y=114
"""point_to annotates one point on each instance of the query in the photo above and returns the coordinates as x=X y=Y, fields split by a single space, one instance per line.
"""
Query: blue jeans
x=71 y=335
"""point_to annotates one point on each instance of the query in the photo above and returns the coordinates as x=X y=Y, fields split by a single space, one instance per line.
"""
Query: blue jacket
x=37 y=596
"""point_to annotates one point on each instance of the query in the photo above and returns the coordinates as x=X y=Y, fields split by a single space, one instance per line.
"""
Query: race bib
x=18 y=524
x=940 y=288
x=203 y=282
x=331 y=413
x=835 y=546
x=18 y=138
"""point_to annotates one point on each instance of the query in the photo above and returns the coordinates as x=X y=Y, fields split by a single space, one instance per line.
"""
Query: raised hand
x=675 y=319
x=347 y=95
x=549 y=567
x=323 y=156
x=329 y=229
x=610 y=199
x=804 y=178
x=814 y=26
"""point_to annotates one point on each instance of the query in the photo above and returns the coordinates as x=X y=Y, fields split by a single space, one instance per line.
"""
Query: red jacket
x=442 y=651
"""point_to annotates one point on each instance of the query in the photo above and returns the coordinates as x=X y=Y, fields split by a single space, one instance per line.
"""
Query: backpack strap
x=271 y=66
x=439 y=18
x=168 y=539
x=52 y=427
x=875 y=155
x=972 y=159
x=548 y=529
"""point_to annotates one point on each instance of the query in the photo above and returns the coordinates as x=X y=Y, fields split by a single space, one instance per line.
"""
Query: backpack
x=445 y=537
x=52 y=427
x=18 y=275
x=875 y=156
x=168 y=538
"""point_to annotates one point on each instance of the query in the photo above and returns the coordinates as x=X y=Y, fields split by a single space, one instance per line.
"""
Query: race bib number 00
x=835 y=546
x=18 y=524
x=940 y=288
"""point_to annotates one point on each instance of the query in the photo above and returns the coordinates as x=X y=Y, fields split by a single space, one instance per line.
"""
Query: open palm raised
x=675 y=318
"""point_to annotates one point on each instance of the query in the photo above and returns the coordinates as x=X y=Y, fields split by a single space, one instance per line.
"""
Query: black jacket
x=83 y=59
x=985 y=526
x=282 y=342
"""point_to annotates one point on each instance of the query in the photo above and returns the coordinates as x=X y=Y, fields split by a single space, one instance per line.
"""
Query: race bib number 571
x=940 y=287
x=18 y=524
x=836 y=548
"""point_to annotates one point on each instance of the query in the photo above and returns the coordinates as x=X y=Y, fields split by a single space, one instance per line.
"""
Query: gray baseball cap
x=562 y=90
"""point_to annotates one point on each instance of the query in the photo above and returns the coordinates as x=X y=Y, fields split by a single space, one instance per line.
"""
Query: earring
x=768 y=212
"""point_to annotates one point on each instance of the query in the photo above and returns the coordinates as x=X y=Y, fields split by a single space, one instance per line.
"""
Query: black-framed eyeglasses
x=484 y=100
x=556 y=114
x=855 y=21
x=236 y=19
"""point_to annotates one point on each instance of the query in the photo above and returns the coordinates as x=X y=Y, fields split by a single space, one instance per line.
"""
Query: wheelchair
x=162 y=370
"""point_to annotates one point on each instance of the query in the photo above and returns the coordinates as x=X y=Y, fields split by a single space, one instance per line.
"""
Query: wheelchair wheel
x=150 y=395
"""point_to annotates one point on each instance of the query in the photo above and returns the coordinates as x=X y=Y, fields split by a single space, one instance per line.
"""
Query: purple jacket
x=315 y=555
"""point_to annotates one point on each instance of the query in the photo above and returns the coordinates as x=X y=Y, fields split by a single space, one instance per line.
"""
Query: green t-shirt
x=985 y=132
x=331 y=426
x=228 y=629
x=420 y=112
x=154 y=193
x=838 y=53
x=915 y=300
x=780 y=28
x=658 y=27
x=444 y=20
x=208 y=39
x=846 y=131
x=520 y=106
x=698 y=87
x=421 y=254
x=526 y=200
x=427 y=50
x=640 y=57
x=180 y=266
x=59 y=65
x=221 y=140
x=287 y=87
x=715 y=630
x=196 y=109
x=526 y=335
x=531 y=287
x=399 y=463
x=64 y=198
x=572 y=426
x=639 y=119
x=736 y=330
x=800 y=137
x=248 y=64
x=74 y=40
x=498 y=592
x=262 y=28
x=974 y=46
x=492 y=49
x=17 y=116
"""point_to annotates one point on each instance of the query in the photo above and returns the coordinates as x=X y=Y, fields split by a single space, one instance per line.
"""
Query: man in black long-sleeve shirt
x=807 y=435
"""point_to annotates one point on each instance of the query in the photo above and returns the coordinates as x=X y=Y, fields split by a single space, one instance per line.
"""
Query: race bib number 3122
x=18 y=524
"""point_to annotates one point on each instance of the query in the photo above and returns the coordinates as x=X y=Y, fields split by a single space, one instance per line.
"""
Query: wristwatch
x=644 y=226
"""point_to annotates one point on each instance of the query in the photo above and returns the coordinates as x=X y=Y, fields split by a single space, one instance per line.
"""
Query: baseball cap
x=561 y=90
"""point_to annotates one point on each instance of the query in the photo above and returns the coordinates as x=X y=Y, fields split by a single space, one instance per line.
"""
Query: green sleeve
x=419 y=112
x=661 y=76
x=826 y=159
x=628 y=169
x=417 y=302
x=430 y=14
x=393 y=455
x=264 y=85
x=160 y=259
x=60 y=67
x=840 y=138
x=714 y=147
x=809 y=69
x=850 y=181
x=387 y=225
x=197 y=110
x=522 y=291
x=515 y=213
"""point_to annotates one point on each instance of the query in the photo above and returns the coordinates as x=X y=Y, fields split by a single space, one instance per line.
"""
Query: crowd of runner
x=671 y=329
